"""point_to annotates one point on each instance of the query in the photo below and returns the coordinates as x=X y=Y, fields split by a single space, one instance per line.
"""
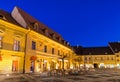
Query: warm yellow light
x=71 y=67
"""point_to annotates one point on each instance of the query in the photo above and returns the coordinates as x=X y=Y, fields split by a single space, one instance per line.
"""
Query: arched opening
x=102 y=65
x=95 y=65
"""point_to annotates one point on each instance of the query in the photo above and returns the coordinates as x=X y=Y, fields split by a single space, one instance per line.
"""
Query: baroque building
x=30 y=46
x=27 y=45
x=99 y=57
x=12 y=44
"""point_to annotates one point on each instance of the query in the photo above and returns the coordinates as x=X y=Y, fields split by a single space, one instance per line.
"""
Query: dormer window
x=68 y=43
x=54 y=36
x=36 y=26
x=46 y=32
x=60 y=39
x=115 y=50
x=2 y=17
x=106 y=53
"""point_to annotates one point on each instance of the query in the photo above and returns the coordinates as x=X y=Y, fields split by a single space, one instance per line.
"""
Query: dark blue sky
x=80 y=22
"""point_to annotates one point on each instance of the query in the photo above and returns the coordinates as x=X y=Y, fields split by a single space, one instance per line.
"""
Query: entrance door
x=32 y=66
x=95 y=65
x=14 y=65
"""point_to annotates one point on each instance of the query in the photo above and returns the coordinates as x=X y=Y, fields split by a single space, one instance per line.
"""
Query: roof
x=92 y=50
x=43 y=29
x=77 y=50
x=97 y=51
x=115 y=46
x=7 y=17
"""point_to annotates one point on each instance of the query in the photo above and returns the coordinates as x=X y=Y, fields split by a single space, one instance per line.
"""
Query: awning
x=33 y=58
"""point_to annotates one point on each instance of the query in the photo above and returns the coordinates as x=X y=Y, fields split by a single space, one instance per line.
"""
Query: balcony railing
x=8 y=46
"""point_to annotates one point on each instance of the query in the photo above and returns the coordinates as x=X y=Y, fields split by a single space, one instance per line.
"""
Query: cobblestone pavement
x=97 y=76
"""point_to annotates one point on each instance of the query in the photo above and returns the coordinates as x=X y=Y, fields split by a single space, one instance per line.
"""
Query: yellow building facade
x=12 y=45
x=45 y=49
x=28 y=46
x=98 y=57
x=44 y=54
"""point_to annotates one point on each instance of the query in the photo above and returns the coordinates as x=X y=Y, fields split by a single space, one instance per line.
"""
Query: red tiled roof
x=8 y=17
x=115 y=46
x=41 y=27
x=92 y=50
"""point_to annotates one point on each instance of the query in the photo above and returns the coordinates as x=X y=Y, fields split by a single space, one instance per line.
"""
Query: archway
x=95 y=65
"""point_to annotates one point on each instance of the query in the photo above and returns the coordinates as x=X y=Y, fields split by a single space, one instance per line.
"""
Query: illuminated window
x=45 y=48
x=33 y=45
x=16 y=45
x=0 y=41
x=52 y=50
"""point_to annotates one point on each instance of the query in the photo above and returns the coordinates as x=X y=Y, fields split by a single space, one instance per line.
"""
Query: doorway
x=95 y=65
x=32 y=66
x=14 y=65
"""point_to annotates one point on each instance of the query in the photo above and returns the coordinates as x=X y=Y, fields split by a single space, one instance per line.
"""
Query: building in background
x=99 y=57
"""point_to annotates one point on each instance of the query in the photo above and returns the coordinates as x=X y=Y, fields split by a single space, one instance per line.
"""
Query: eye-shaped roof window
x=2 y=17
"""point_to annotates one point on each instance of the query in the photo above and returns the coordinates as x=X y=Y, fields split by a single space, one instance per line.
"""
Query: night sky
x=80 y=22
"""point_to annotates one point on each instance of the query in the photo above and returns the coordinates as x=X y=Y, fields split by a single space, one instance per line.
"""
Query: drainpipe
x=25 y=50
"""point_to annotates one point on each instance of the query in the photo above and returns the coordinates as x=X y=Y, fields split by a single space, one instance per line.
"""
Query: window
x=45 y=48
x=36 y=26
x=117 y=60
x=1 y=16
x=33 y=45
x=95 y=58
x=111 y=58
x=85 y=58
x=89 y=59
x=54 y=36
x=16 y=45
x=0 y=42
x=46 y=32
x=101 y=58
x=58 y=52
x=52 y=50
x=117 y=55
